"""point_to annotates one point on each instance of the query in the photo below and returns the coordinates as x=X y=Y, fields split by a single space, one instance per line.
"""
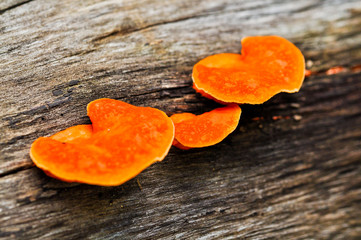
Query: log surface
x=291 y=170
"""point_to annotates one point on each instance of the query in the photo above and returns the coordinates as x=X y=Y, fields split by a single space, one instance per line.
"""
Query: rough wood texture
x=291 y=170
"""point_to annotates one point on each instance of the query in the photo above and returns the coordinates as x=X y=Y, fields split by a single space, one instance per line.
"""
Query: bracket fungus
x=122 y=141
x=266 y=66
x=192 y=131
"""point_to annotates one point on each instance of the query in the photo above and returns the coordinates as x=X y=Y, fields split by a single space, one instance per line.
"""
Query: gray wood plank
x=291 y=170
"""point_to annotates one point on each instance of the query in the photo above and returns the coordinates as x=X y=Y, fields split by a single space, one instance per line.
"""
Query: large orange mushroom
x=268 y=65
x=121 y=142
x=192 y=131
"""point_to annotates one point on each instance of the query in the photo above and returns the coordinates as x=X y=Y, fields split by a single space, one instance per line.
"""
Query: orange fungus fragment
x=121 y=142
x=335 y=70
x=192 y=131
x=268 y=65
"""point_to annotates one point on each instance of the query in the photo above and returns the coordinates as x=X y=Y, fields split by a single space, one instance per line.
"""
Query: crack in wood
x=16 y=170
x=14 y=6
x=128 y=30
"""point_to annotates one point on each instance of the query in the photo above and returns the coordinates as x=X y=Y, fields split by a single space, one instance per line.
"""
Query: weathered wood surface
x=297 y=176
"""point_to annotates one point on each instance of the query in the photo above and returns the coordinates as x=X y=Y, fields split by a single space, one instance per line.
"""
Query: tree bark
x=291 y=170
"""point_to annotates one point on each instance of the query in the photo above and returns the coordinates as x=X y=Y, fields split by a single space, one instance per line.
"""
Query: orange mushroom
x=177 y=118
x=268 y=65
x=122 y=141
x=74 y=134
x=207 y=129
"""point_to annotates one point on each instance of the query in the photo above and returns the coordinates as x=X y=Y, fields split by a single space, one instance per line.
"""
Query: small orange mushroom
x=207 y=129
x=122 y=141
x=268 y=65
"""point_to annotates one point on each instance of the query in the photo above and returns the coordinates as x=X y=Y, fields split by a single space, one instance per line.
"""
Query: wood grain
x=291 y=170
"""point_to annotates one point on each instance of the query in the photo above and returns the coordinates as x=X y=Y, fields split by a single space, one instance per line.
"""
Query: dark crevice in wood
x=19 y=138
x=161 y=91
x=126 y=31
x=107 y=73
x=308 y=7
x=16 y=170
x=214 y=12
x=348 y=35
x=16 y=119
x=80 y=53
x=14 y=6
